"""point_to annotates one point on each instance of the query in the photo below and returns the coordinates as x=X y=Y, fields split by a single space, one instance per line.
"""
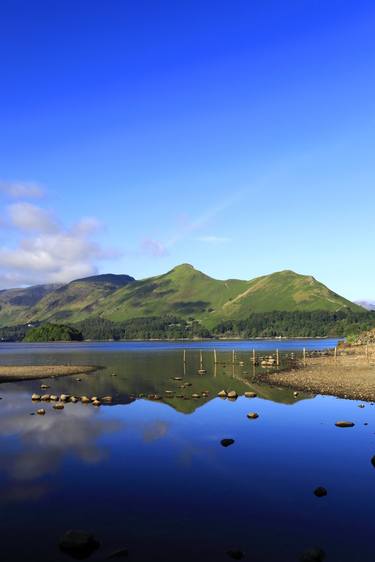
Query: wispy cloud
x=211 y=239
x=153 y=248
x=21 y=190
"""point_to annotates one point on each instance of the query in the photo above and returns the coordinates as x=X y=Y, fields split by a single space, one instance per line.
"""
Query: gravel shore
x=350 y=375
x=26 y=372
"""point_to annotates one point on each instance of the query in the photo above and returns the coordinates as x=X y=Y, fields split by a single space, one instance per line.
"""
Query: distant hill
x=183 y=292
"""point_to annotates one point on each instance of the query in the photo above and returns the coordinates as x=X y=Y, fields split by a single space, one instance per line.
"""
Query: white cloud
x=20 y=190
x=44 y=251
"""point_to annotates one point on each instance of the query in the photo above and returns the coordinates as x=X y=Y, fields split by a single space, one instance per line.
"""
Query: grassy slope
x=79 y=299
x=15 y=304
x=187 y=292
x=184 y=292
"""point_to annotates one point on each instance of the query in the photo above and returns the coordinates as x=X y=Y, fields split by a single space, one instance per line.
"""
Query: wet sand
x=28 y=372
x=350 y=375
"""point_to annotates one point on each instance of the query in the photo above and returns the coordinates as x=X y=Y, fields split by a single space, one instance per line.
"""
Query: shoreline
x=14 y=373
x=350 y=375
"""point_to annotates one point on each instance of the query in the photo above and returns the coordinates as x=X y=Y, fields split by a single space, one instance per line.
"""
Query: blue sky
x=236 y=136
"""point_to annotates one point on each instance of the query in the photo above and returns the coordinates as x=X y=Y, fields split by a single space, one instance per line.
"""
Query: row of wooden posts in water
x=273 y=360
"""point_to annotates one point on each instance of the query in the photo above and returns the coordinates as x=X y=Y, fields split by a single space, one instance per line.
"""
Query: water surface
x=153 y=476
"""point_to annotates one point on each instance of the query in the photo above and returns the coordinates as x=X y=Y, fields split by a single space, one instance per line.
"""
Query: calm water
x=153 y=477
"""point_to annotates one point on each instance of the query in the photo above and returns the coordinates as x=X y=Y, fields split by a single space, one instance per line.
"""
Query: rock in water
x=222 y=394
x=252 y=415
x=232 y=394
x=41 y=412
x=344 y=424
x=373 y=461
x=313 y=555
x=78 y=544
x=320 y=492
x=58 y=406
x=35 y=397
x=227 y=442
x=249 y=394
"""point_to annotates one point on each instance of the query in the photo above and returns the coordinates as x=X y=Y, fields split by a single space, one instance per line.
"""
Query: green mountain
x=183 y=291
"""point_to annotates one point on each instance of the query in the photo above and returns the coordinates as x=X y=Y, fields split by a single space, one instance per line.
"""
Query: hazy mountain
x=368 y=305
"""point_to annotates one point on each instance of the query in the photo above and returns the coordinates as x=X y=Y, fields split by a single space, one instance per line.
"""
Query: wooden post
x=304 y=356
x=233 y=357
x=184 y=355
x=200 y=358
x=254 y=357
x=277 y=358
x=335 y=354
x=215 y=358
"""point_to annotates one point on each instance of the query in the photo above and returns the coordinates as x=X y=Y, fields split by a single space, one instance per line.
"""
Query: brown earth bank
x=351 y=374
x=26 y=372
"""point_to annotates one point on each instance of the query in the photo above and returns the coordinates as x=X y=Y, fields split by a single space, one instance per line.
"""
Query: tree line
x=267 y=324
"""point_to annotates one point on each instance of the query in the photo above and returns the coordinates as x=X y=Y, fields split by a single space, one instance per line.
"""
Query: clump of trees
x=297 y=324
x=53 y=332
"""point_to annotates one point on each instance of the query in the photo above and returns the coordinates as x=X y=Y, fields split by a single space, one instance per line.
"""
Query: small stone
x=222 y=394
x=94 y=398
x=320 y=492
x=73 y=399
x=44 y=386
x=235 y=554
x=96 y=403
x=35 y=397
x=64 y=397
x=177 y=378
x=41 y=412
x=78 y=379
x=85 y=400
x=58 y=406
x=226 y=442
x=361 y=406
x=113 y=375
x=109 y=399
x=53 y=397
x=45 y=397
x=295 y=394
x=252 y=415
x=344 y=424
x=313 y=555
x=232 y=394
x=249 y=394
x=195 y=395
x=79 y=544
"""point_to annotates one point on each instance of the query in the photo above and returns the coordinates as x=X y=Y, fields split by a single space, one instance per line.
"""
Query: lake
x=152 y=475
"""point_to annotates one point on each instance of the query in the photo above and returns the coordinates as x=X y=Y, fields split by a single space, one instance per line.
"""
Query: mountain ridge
x=182 y=291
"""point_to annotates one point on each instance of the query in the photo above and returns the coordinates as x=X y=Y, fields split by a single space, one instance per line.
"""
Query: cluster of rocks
x=60 y=401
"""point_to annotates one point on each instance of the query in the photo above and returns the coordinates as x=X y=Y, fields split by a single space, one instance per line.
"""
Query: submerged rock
x=320 y=492
x=313 y=555
x=78 y=544
x=344 y=424
x=226 y=442
x=373 y=461
x=252 y=415
x=41 y=412
x=44 y=386
x=109 y=399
